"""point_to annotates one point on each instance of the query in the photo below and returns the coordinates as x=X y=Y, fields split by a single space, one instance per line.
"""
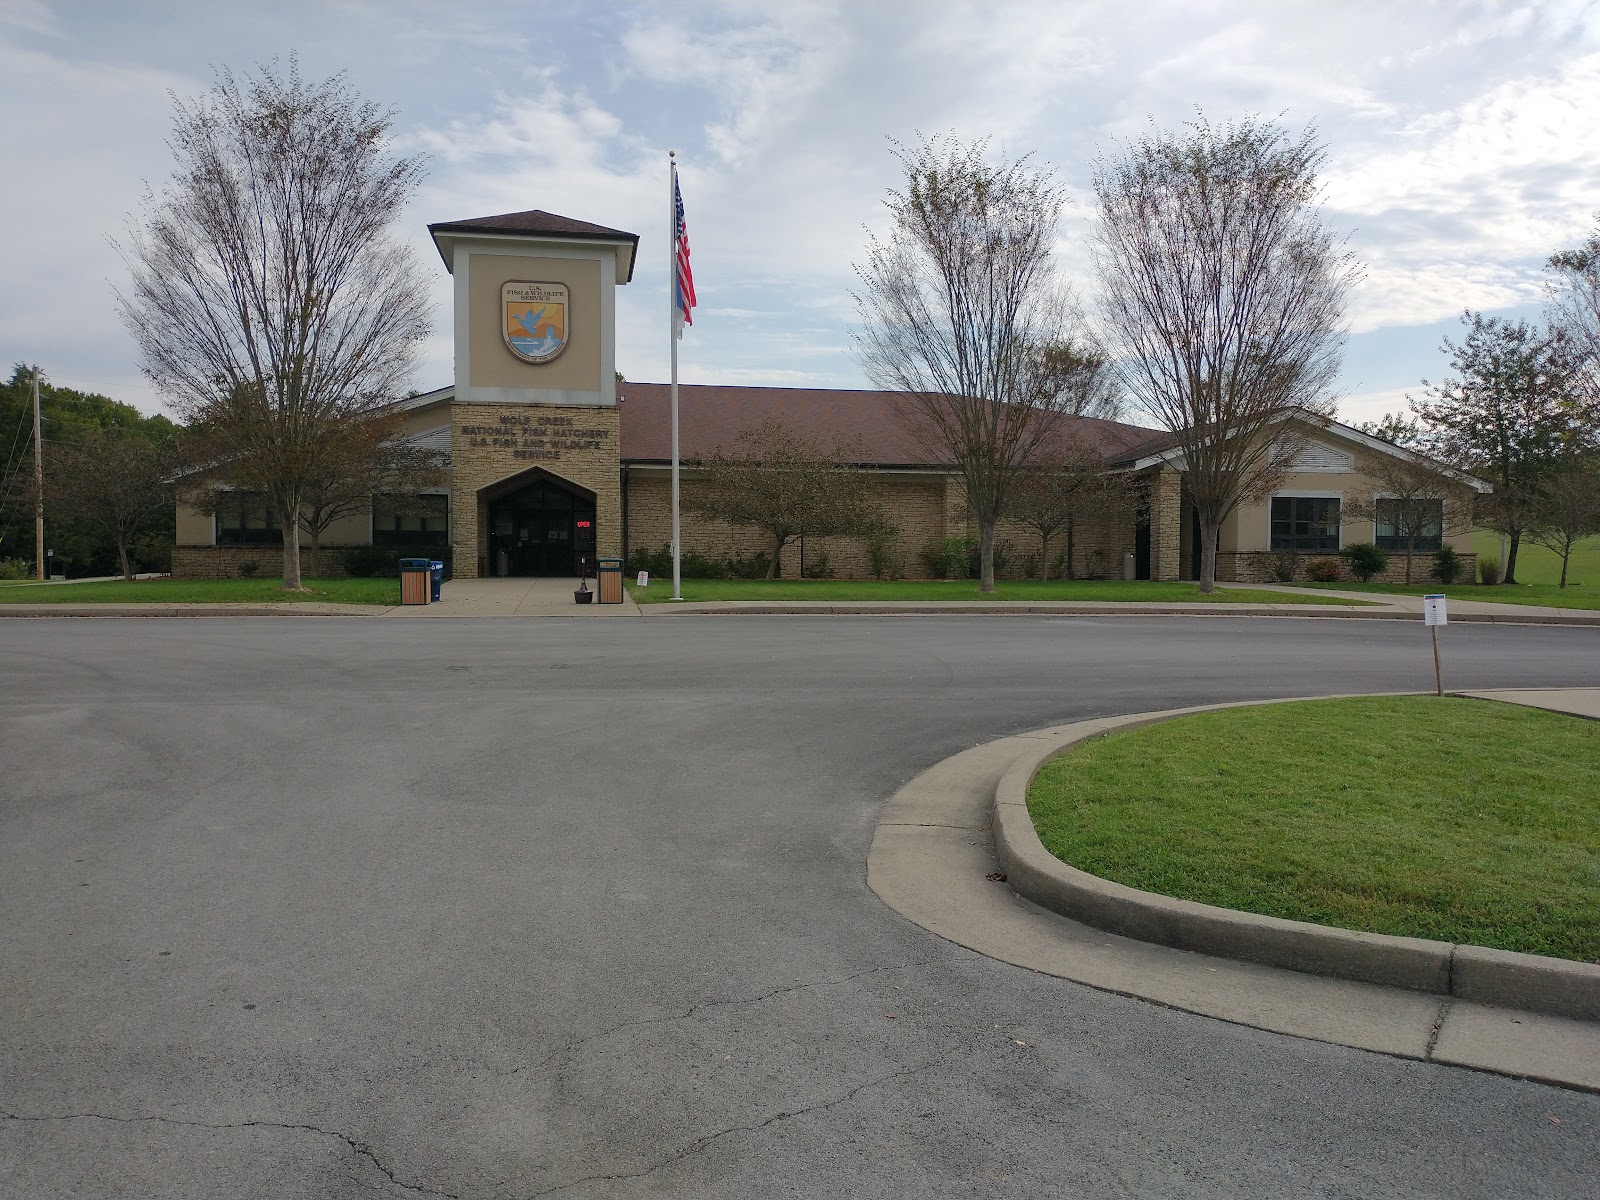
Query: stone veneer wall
x=223 y=562
x=494 y=442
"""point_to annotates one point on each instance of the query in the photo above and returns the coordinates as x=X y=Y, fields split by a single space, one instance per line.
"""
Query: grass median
x=944 y=591
x=204 y=591
x=1459 y=820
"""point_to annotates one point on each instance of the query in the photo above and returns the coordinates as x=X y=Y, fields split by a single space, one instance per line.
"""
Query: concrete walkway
x=933 y=861
x=516 y=598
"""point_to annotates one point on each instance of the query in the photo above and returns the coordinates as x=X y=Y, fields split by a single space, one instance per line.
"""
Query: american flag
x=683 y=286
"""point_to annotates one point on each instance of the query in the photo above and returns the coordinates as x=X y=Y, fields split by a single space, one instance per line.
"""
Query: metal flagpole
x=38 y=484
x=672 y=330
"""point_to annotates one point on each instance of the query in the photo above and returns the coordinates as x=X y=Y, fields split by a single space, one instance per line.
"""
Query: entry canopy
x=537 y=225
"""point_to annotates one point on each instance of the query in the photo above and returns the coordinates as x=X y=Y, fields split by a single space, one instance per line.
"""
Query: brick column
x=1166 y=524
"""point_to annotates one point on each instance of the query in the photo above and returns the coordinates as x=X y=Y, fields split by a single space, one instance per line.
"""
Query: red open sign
x=584 y=524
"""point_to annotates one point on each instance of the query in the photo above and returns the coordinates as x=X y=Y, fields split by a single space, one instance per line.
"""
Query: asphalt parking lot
x=339 y=907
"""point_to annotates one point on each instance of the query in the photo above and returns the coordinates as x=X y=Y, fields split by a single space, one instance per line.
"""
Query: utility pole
x=38 y=485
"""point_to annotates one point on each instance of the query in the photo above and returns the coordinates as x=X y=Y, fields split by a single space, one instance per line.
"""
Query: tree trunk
x=1511 y=558
x=289 y=522
x=1208 y=558
x=777 y=555
x=1070 y=572
x=316 y=554
x=1044 y=558
x=1566 y=554
x=127 y=567
x=1411 y=551
x=985 y=556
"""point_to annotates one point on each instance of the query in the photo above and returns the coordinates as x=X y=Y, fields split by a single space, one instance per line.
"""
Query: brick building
x=554 y=460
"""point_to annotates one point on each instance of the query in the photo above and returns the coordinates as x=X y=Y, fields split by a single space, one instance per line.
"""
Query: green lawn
x=1459 y=820
x=926 y=590
x=205 y=591
x=1535 y=564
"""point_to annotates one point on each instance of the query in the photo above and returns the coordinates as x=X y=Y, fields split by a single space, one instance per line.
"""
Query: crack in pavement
x=358 y=1147
x=707 y=1004
x=700 y=1143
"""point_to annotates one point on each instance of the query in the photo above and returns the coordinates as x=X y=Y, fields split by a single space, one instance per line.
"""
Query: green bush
x=695 y=565
x=1285 y=566
x=1323 y=570
x=818 y=566
x=372 y=562
x=883 y=556
x=1447 y=565
x=1488 y=570
x=249 y=569
x=1365 y=559
x=15 y=568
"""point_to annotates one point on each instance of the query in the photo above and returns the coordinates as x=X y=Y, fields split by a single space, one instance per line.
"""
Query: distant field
x=205 y=591
x=1535 y=564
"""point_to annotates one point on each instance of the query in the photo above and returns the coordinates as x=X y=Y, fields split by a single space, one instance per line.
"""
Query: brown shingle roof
x=713 y=416
x=535 y=221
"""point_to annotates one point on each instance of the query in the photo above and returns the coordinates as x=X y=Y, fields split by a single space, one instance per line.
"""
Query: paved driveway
x=343 y=908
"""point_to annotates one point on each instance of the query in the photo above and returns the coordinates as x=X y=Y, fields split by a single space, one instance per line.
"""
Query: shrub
x=883 y=558
x=1323 y=570
x=1285 y=566
x=818 y=566
x=744 y=566
x=1365 y=559
x=15 y=568
x=1447 y=565
x=249 y=568
x=952 y=558
x=1488 y=570
x=371 y=562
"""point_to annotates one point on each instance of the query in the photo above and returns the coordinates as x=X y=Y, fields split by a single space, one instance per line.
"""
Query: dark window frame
x=1395 y=541
x=1305 y=524
x=240 y=507
x=425 y=536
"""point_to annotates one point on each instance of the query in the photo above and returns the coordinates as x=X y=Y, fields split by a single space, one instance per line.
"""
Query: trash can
x=414 y=580
x=609 y=572
x=436 y=571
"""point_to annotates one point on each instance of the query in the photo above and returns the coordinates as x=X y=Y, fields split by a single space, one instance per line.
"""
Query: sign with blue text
x=534 y=319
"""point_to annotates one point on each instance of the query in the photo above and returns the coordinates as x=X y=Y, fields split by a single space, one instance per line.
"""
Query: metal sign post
x=1434 y=615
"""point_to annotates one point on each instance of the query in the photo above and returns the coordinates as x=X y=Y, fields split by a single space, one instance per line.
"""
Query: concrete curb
x=737 y=608
x=1493 y=977
x=285 y=608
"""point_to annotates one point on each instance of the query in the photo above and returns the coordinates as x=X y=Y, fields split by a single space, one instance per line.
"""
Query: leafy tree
x=788 y=485
x=269 y=300
x=68 y=418
x=1077 y=488
x=961 y=314
x=1415 y=496
x=1225 y=294
x=116 y=482
x=1569 y=508
x=1395 y=428
x=1509 y=414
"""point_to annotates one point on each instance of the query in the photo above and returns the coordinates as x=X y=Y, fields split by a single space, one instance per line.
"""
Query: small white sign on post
x=1433 y=616
x=644 y=578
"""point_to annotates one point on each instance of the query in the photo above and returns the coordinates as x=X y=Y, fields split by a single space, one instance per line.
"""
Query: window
x=1305 y=522
x=1422 y=518
x=246 y=519
x=411 y=520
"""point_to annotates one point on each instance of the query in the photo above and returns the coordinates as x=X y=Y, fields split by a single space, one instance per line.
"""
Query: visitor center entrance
x=542 y=530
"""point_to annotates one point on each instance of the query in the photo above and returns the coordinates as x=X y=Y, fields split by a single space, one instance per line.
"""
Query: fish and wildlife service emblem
x=534 y=322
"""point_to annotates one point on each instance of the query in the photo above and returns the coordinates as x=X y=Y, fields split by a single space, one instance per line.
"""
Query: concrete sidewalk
x=516 y=598
x=933 y=861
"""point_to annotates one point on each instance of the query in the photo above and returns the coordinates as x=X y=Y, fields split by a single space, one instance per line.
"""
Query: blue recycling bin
x=436 y=569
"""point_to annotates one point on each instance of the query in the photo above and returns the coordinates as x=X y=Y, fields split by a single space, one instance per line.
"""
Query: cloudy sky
x=1462 y=141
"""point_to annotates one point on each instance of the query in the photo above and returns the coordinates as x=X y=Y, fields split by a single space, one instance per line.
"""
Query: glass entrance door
x=541 y=530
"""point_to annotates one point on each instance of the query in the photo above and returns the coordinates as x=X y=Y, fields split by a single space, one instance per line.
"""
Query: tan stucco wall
x=1250 y=527
x=194 y=528
x=491 y=364
x=492 y=443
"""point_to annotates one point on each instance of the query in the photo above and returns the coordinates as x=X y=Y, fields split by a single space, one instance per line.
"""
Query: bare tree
x=1415 y=497
x=1574 y=307
x=788 y=485
x=1508 y=413
x=1569 y=509
x=1075 y=489
x=268 y=299
x=116 y=481
x=1224 y=293
x=364 y=459
x=961 y=314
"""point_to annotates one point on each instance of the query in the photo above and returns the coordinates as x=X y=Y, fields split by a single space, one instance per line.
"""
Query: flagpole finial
x=672 y=154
